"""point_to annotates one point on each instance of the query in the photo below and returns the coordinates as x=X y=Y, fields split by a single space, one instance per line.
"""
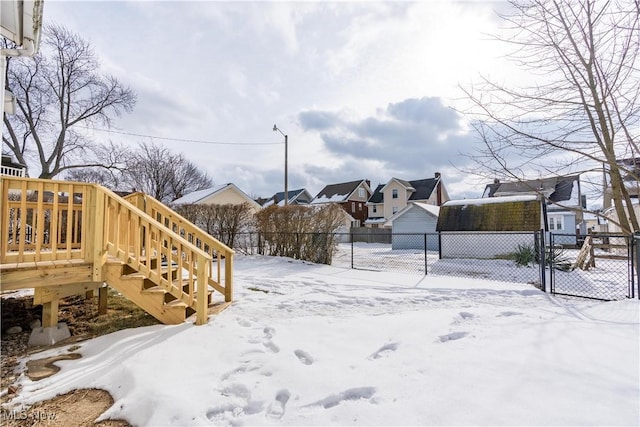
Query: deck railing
x=11 y=171
x=71 y=220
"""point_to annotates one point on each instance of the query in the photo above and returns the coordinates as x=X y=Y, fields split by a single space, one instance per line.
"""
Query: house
x=489 y=227
x=390 y=198
x=612 y=217
x=220 y=195
x=11 y=168
x=296 y=197
x=630 y=171
x=343 y=232
x=375 y=210
x=564 y=202
x=414 y=227
x=351 y=196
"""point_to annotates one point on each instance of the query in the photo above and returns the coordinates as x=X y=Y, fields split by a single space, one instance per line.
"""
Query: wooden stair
x=156 y=300
x=82 y=236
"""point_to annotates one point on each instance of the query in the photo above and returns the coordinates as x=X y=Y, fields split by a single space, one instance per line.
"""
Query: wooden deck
x=65 y=238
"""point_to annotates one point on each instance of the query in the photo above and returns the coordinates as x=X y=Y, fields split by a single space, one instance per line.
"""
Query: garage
x=414 y=225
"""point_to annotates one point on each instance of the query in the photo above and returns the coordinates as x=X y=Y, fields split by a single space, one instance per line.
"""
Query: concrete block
x=49 y=335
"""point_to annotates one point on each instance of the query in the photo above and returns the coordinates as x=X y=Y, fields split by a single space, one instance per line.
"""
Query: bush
x=300 y=232
x=558 y=258
x=525 y=255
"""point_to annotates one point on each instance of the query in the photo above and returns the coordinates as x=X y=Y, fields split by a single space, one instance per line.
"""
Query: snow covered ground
x=308 y=344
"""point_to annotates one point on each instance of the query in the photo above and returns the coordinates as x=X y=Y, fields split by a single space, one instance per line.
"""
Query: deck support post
x=102 y=300
x=50 y=313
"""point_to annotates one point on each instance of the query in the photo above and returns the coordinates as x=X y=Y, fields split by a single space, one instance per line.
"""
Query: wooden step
x=154 y=290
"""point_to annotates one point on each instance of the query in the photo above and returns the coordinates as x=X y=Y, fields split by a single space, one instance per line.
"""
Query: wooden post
x=228 y=277
x=50 y=314
x=103 y=294
x=201 y=302
x=98 y=233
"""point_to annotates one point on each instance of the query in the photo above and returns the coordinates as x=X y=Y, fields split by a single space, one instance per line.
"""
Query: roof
x=421 y=189
x=196 y=196
x=508 y=213
x=557 y=189
x=377 y=196
x=200 y=195
x=429 y=209
x=293 y=196
x=339 y=192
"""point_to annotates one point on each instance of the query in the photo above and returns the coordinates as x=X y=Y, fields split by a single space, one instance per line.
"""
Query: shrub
x=524 y=255
x=558 y=258
x=301 y=232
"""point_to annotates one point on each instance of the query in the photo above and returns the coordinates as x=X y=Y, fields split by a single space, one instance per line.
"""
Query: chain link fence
x=521 y=257
x=599 y=266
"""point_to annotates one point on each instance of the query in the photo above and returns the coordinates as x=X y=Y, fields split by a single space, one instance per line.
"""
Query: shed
x=489 y=227
x=413 y=225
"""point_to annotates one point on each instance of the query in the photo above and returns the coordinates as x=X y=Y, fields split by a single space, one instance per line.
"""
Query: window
x=394 y=193
x=394 y=209
x=353 y=206
x=374 y=208
x=360 y=192
x=556 y=223
x=360 y=207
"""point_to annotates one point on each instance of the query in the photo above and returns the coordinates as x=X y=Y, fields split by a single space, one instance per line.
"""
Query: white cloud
x=227 y=71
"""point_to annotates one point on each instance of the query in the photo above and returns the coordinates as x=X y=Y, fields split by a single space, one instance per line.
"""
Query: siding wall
x=414 y=221
x=480 y=245
x=228 y=196
x=390 y=202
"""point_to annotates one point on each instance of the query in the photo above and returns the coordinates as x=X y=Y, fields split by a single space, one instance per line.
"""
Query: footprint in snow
x=509 y=313
x=466 y=315
x=237 y=402
x=385 y=350
x=304 y=357
x=453 y=336
x=358 y=393
x=276 y=409
x=244 y=323
x=269 y=345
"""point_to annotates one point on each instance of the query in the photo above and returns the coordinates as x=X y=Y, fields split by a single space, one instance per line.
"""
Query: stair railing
x=195 y=235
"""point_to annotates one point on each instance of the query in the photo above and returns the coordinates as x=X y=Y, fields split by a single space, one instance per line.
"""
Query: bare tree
x=223 y=222
x=582 y=111
x=58 y=93
x=164 y=175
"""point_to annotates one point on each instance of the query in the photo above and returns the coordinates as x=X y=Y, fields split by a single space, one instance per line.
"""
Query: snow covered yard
x=311 y=344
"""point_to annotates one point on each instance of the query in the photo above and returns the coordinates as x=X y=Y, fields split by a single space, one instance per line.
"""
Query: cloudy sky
x=364 y=90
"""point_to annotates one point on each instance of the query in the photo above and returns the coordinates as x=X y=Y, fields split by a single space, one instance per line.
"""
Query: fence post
x=439 y=244
x=425 y=254
x=352 y=251
x=636 y=247
x=542 y=257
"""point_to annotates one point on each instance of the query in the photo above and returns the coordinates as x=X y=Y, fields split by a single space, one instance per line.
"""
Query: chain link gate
x=598 y=266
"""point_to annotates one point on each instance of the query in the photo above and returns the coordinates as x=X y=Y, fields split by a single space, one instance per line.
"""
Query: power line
x=197 y=141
